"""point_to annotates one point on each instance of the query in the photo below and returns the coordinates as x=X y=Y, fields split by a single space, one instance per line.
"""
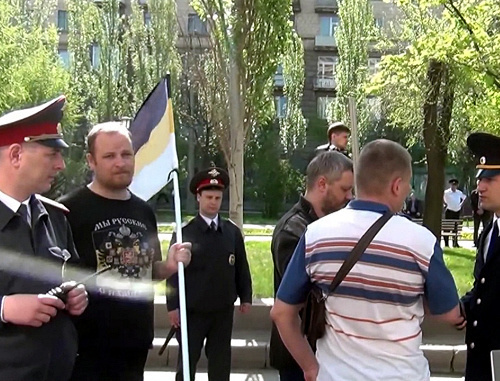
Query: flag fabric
x=153 y=139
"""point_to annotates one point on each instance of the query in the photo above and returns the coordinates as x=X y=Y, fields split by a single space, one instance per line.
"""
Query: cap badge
x=59 y=129
x=214 y=173
x=482 y=161
x=214 y=181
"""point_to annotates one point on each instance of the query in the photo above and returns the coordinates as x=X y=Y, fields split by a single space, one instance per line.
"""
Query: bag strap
x=358 y=251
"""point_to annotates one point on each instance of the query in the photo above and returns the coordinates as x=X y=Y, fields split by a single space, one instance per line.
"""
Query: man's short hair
x=330 y=164
x=381 y=161
x=106 y=128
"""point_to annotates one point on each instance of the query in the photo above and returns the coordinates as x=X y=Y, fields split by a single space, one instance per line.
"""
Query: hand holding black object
x=61 y=291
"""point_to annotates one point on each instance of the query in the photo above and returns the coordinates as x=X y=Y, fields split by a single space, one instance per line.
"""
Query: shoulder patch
x=53 y=203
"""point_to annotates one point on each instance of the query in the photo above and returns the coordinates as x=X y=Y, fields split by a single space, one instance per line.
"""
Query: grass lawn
x=163 y=215
x=461 y=264
x=459 y=261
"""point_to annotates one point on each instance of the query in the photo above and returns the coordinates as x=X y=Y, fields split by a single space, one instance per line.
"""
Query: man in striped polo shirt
x=373 y=319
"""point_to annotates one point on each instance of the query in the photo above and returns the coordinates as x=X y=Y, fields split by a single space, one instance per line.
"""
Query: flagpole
x=182 y=288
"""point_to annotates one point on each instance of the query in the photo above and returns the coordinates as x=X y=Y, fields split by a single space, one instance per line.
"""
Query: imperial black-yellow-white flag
x=153 y=138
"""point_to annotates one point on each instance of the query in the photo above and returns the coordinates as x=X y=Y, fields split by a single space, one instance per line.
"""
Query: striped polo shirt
x=374 y=317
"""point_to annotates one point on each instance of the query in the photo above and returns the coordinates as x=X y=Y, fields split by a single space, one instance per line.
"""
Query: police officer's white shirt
x=453 y=200
x=210 y=220
x=496 y=220
x=14 y=205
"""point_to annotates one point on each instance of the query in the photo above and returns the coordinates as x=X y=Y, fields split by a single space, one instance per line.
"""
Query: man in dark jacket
x=217 y=275
x=37 y=338
x=413 y=206
x=329 y=188
x=481 y=304
x=479 y=215
x=338 y=137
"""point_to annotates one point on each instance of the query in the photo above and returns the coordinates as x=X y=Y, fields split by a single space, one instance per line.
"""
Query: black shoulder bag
x=314 y=312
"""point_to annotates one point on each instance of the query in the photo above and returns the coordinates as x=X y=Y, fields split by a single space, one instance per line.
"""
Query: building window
x=327 y=25
x=327 y=67
x=95 y=53
x=147 y=19
x=195 y=25
x=62 y=20
x=323 y=106
x=374 y=107
x=280 y=102
x=379 y=22
x=64 y=56
x=373 y=64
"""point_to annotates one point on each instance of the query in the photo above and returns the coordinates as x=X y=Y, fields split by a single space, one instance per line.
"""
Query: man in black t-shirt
x=114 y=228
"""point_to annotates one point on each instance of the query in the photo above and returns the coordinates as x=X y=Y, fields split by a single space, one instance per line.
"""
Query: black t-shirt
x=121 y=234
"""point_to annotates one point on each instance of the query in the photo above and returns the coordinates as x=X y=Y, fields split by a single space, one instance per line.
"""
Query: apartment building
x=315 y=21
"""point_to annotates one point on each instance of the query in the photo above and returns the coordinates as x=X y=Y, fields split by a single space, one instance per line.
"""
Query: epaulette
x=234 y=223
x=53 y=203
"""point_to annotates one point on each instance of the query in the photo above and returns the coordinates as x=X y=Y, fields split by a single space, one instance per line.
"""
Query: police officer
x=338 y=137
x=217 y=275
x=482 y=303
x=37 y=338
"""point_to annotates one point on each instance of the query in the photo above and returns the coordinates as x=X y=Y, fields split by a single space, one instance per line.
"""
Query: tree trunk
x=190 y=205
x=237 y=141
x=436 y=137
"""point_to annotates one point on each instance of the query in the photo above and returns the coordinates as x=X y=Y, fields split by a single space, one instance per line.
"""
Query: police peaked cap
x=486 y=147
x=39 y=124
x=337 y=127
x=209 y=178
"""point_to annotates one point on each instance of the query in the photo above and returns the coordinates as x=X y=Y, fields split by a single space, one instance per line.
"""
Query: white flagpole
x=182 y=288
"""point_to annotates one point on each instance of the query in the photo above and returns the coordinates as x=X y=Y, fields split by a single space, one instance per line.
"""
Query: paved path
x=251 y=375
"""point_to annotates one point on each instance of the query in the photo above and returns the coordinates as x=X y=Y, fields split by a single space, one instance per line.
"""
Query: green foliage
x=29 y=69
x=460 y=34
x=274 y=180
x=353 y=35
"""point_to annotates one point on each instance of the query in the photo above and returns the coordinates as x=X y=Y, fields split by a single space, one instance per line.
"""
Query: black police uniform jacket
x=482 y=308
x=27 y=353
x=286 y=236
x=218 y=271
x=328 y=147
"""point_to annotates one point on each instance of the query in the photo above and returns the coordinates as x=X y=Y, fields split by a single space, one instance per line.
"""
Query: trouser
x=216 y=328
x=294 y=373
x=485 y=219
x=451 y=215
x=110 y=365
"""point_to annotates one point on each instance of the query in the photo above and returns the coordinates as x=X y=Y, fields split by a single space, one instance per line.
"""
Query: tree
x=30 y=72
x=442 y=84
x=353 y=36
x=248 y=39
x=115 y=61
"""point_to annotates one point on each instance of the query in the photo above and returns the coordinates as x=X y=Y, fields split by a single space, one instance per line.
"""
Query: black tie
x=493 y=241
x=23 y=212
x=212 y=226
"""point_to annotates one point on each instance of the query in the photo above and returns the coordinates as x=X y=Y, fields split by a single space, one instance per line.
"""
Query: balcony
x=321 y=83
x=328 y=6
x=278 y=80
x=296 y=5
x=325 y=42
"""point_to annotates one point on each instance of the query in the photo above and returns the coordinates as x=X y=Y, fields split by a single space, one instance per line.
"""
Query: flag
x=153 y=139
